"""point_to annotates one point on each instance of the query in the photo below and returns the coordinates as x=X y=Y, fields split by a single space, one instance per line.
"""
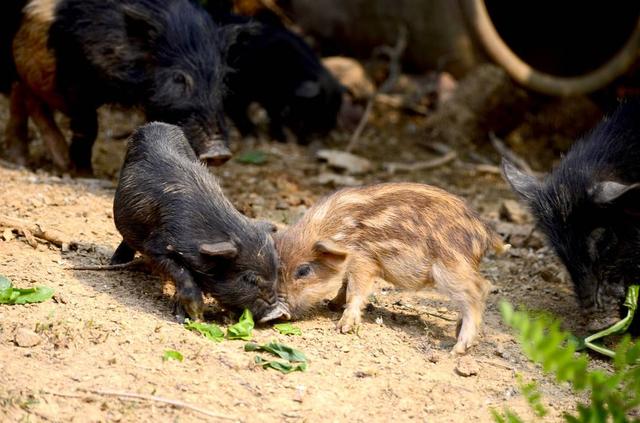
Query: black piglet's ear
x=608 y=191
x=523 y=184
x=219 y=249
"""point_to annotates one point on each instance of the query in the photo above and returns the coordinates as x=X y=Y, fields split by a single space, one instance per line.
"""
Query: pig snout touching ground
x=410 y=235
x=171 y=209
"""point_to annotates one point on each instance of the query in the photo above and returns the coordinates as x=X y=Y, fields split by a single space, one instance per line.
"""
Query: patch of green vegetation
x=294 y=360
x=613 y=395
x=209 y=331
x=172 y=355
x=12 y=295
x=242 y=329
x=287 y=329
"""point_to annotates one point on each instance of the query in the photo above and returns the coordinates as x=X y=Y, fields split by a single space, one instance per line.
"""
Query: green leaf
x=255 y=157
x=287 y=329
x=11 y=295
x=281 y=350
x=208 y=330
x=281 y=366
x=242 y=329
x=172 y=355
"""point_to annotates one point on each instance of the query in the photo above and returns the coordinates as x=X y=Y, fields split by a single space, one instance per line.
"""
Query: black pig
x=274 y=67
x=162 y=55
x=589 y=207
x=170 y=208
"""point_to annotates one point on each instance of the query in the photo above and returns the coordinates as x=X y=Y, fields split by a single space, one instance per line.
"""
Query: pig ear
x=266 y=226
x=608 y=191
x=330 y=252
x=523 y=184
x=308 y=89
x=139 y=24
x=222 y=249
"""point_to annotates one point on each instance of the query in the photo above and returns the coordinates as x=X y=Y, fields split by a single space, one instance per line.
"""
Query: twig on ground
x=510 y=155
x=439 y=316
x=393 y=167
x=31 y=230
x=144 y=397
x=394 y=54
x=133 y=264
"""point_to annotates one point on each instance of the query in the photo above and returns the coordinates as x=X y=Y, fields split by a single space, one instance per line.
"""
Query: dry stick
x=175 y=403
x=394 y=55
x=10 y=165
x=510 y=155
x=53 y=236
x=121 y=266
x=393 y=167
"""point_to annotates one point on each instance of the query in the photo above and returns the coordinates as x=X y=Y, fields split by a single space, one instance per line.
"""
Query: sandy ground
x=107 y=331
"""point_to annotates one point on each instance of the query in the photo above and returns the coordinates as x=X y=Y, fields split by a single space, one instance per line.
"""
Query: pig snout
x=279 y=312
x=215 y=152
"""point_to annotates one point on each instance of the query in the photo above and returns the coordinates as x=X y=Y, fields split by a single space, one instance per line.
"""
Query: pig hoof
x=348 y=323
x=216 y=156
x=192 y=307
x=459 y=348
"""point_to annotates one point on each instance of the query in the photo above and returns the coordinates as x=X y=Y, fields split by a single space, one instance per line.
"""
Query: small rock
x=337 y=180
x=351 y=75
x=26 y=338
x=467 y=366
x=300 y=393
x=282 y=205
x=512 y=211
x=8 y=235
x=346 y=161
x=446 y=86
x=379 y=321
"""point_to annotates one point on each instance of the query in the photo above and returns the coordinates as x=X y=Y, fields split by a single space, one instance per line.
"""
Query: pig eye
x=303 y=271
x=180 y=79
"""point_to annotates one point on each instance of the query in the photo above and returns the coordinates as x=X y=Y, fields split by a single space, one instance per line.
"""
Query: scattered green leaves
x=295 y=360
x=287 y=329
x=613 y=395
x=208 y=330
x=11 y=295
x=281 y=366
x=255 y=157
x=172 y=355
x=281 y=350
x=242 y=329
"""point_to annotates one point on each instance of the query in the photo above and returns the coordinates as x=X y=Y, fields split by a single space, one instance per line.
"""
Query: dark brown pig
x=410 y=235
x=170 y=208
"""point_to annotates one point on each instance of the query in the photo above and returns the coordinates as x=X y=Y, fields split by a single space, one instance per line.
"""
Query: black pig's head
x=185 y=73
x=314 y=106
x=592 y=223
x=241 y=271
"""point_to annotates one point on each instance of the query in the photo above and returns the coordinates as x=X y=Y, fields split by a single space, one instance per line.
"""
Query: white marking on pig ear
x=608 y=191
x=330 y=252
x=523 y=184
x=223 y=249
x=308 y=89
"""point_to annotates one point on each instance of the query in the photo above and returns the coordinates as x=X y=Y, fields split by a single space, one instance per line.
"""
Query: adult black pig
x=589 y=207
x=276 y=68
x=170 y=208
x=162 y=55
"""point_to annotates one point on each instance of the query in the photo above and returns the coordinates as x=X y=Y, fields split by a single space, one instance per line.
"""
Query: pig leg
x=123 y=254
x=51 y=135
x=359 y=279
x=469 y=290
x=16 y=132
x=188 y=295
x=84 y=125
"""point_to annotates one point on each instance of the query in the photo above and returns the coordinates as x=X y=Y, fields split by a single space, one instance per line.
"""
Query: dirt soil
x=107 y=331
